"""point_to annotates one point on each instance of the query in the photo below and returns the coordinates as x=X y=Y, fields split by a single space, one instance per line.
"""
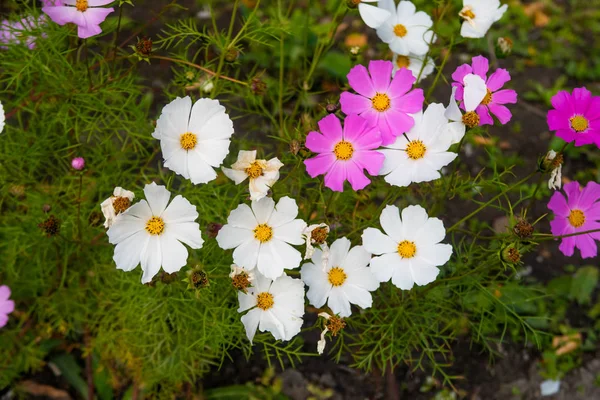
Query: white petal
x=475 y=91
x=200 y=171
x=202 y=111
x=174 y=254
x=218 y=127
x=213 y=152
x=402 y=276
x=246 y=300
x=285 y=211
x=263 y=209
x=180 y=210
x=435 y=254
x=230 y=237
x=358 y=295
x=242 y=217
x=413 y=219
x=123 y=227
x=375 y=242
x=275 y=256
x=338 y=302
x=316 y=280
x=373 y=16
x=151 y=259
x=391 y=223
x=338 y=251
x=431 y=232
x=157 y=197
x=251 y=321
x=452 y=111
x=383 y=267
x=140 y=210
x=128 y=252
x=363 y=277
x=357 y=259
x=424 y=274
x=291 y=232
x=270 y=323
x=236 y=176
x=177 y=161
x=178 y=113
x=456 y=130
x=186 y=232
x=246 y=254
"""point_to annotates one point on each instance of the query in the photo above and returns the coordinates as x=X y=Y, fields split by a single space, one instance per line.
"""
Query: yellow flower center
x=487 y=99
x=254 y=170
x=407 y=249
x=263 y=233
x=402 y=62
x=264 y=301
x=381 y=102
x=470 y=119
x=343 y=150
x=155 y=226
x=579 y=123
x=415 y=149
x=400 y=30
x=188 y=141
x=336 y=276
x=81 y=5
x=577 y=218
x=467 y=13
x=121 y=204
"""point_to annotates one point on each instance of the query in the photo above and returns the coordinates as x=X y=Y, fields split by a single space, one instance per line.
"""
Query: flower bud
x=352 y=3
x=258 y=86
x=523 y=229
x=511 y=255
x=144 y=46
x=331 y=108
x=197 y=278
x=51 y=226
x=231 y=54
x=78 y=163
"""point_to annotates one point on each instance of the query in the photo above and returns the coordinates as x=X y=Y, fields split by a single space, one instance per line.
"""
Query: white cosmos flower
x=474 y=92
x=194 y=139
x=419 y=156
x=414 y=64
x=262 y=235
x=479 y=15
x=151 y=232
x=261 y=173
x=276 y=306
x=372 y=16
x=555 y=181
x=115 y=205
x=322 y=342
x=347 y=279
x=2 y=117
x=406 y=30
x=410 y=250
x=235 y=271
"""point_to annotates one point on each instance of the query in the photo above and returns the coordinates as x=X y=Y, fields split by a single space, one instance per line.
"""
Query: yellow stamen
x=254 y=170
x=487 y=99
x=343 y=150
x=155 y=226
x=263 y=233
x=188 y=141
x=470 y=119
x=577 y=218
x=264 y=301
x=579 y=123
x=415 y=149
x=381 y=102
x=407 y=249
x=400 y=30
x=81 y=5
x=336 y=276
x=402 y=62
x=466 y=13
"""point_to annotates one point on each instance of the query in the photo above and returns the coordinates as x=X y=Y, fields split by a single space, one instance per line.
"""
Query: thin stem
x=440 y=69
x=208 y=71
x=508 y=189
x=87 y=62
x=227 y=43
x=79 y=229
x=281 y=73
x=115 y=47
x=552 y=237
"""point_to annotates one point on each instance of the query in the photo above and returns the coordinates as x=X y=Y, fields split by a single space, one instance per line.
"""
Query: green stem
x=115 y=47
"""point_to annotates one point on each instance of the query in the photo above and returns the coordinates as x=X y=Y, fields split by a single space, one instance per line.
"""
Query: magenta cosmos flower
x=20 y=32
x=86 y=14
x=578 y=212
x=344 y=152
x=6 y=306
x=382 y=100
x=495 y=98
x=576 y=117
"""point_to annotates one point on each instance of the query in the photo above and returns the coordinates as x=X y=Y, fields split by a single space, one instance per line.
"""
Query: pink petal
x=4 y=293
x=501 y=112
x=399 y=122
x=558 y=205
x=573 y=191
x=589 y=195
x=7 y=307
x=402 y=83
x=497 y=79
x=557 y=120
x=360 y=81
x=62 y=14
x=587 y=246
x=411 y=102
x=88 y=30
x=318 y=143
x=357 y=178
x=336 y=176
x=461 y=72
x=581 y=139
x=566 y=134
x=369 y=139
x=319 y=165
x=562 y=102
x=581 y=99
x=354 y=103
x=381 y=74
x=354 y=127
x=481 y=66
x=372 y=161
x=331 y=128
x=484 y=115
x=460 y=91
x=593 y=111
x=567 y=246
x=559 y=226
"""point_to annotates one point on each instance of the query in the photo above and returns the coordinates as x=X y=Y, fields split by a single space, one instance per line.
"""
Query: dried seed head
x=51 y=226
x=46 y=208
x=319 y=235
x=197 y=278
x=241 y=281
x=331 y=108
x=231 y=54
x=166 y=277
x=511 y=255
x=335 y=324
x=523 y=229
x=295 y=147
x=505 y=44
x=144 y=46
x=258 y=86
x=212 y=229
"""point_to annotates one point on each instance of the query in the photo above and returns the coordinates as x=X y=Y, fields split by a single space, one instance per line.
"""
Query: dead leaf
x=36 y=389
x=483 y=141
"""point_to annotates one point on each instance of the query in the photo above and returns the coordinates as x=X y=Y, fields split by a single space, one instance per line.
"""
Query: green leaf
x=71 y=372
x=584 y=282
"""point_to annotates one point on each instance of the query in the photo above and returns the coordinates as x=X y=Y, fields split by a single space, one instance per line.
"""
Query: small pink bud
x=78 y=163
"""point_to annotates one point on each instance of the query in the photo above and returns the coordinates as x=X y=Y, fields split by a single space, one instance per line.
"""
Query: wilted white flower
x=315 y=234
x=555 y=181
x=479 y=15
x=2 y=117
x=151 y=232
x=262 y=174
x=333 y=324
x=116 y=204
x=276 y=306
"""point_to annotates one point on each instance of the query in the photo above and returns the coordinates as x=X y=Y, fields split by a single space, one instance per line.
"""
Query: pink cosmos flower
x=576 y=117
x=344 y=153
x=382 y=100
x=83 y=13
x=20 y=32
x=495 y=98
x=6 y=306
x=578 y=212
